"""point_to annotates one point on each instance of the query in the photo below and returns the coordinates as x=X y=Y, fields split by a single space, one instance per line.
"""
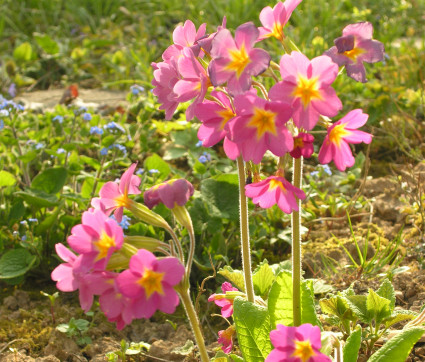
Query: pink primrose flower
x=354 y=47
x=220 y=300
x=273 y=20
x=117 y=307
x=296 y=344
x=206 y=42
x=185 y=36
x=165 y=76
x=114 y=197
x=259 y=126
x=303 y=146
x=235 y=61
x=306 y=86
x=150 y=282
x=97 y=238
x=214 y=118
x=170 y=193
x=194 y=82
x=275 y=190
x=225 y=338
x=336 y=144
x=76 y=275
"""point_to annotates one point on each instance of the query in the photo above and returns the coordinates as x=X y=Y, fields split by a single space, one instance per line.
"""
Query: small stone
x=399 y=295
x=410 y=293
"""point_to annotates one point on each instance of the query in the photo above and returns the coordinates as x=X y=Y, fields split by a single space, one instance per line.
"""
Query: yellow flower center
x=303 y=350
x=337 y=133
x=263 y=121
x=277 y=31
x=151 y=281
x=354 y=53
x=307 y=89
x=239 y=59
x=226 y=115
x=122 y=201
x=104 y=243
x=276 y=183
x=298 y=142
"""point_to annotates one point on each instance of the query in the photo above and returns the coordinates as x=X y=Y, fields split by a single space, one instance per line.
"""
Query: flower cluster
x=215 y=71
x=142 y=284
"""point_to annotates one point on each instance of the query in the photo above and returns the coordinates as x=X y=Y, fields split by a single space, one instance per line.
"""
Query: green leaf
x=378 y=306
x=398 y=316
x=221 y=193
x=398 y=348
x=233 y=276
x=351 y=348
x=386 y=290
x=335 y=305
x=49 y=220
x=253 y=328
x=47 y=43
x=23 y=52
x=38 y=198
x=87 y=187
x=155 y=162
x=7 y=179
x=16 y=262
x=235 y=358
x=199 y=168
x=357 y=304
x=280 y=302
x=17 y=211
x=50 y=180
x=263 y=278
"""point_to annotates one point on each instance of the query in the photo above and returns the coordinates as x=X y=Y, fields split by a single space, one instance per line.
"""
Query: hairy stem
x=194 y=323
x=245 y=248
x=296 y=245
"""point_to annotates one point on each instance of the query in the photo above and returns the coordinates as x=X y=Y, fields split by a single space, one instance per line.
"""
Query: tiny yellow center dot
x=337 y=133
x=263 y=121
x=307 y=89
x=151 y=281
x=239 y=59
x=303 y=350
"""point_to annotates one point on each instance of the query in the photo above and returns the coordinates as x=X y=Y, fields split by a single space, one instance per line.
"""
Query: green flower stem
x=245 y=248
x=194 y=323
x=296 y=245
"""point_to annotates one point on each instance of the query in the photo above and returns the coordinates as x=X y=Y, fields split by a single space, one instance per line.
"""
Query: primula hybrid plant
x=272 y=310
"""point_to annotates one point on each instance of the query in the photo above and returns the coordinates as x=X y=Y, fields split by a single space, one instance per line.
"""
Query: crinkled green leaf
x=156 y=162
x=233 y=276
x=335 y=305
x=253 y=329
x=386 y=290
x=398 y=348
x=23 y=52
x=263 y=278
x=50 y=180
x=47 y=43
x=7 y=179
x=280 y=302
x=357 y=304
x=16 y=262
x=38 y=198
x=398 y=316
x=351 y=348
x=378 y=306
x=221 y=194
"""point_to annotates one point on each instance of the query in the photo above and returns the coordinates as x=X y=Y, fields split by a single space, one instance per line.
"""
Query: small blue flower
x=24 y=238
x=87 y=116
x=1 y=124
x=12 y=90
x=119 y=147
x=140 y=171
x=33 y=220
x=327 y=169
x=154 y=170
x=112 y=126
x=136 y=89
x=104 y=151
x=204 y=158
x=60 y=151
x=314 y=173
x=198 y=144
x=19 y=107
x=96 y=130
x=125 y=222
x=4 y=113
x=39 y=146
x=82 y=109
x=24 y=222
x=58 y=119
